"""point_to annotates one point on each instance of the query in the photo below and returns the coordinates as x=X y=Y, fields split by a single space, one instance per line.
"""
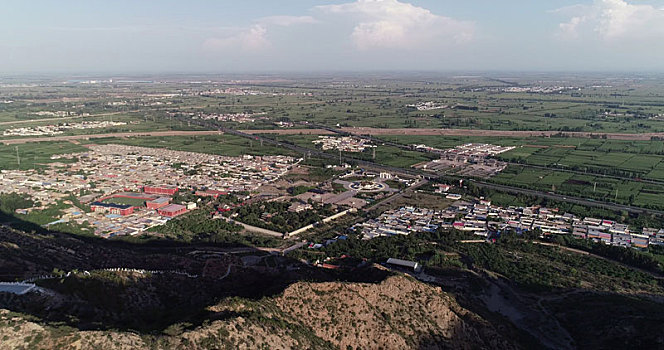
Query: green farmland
x=601 y=188
x=35 y=155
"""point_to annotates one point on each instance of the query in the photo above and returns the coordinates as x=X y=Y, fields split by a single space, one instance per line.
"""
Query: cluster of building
x=477 y=150
x=427 y=106
x=613 y=233
x=46 y=187
x=115 y=167
x=118 y=219
x=146 y=100
x=483 y=219
x=540 y=89
x=59 y=128
x=231 y=117
x=471 y=159
x=51 y=114
x=345 y=143
x=108 y=224
x=284 y=124
x=402 y=221
x=228 y=91
x=112 y=176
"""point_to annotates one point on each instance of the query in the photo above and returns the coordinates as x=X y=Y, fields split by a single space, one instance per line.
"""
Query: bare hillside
x=397 y=313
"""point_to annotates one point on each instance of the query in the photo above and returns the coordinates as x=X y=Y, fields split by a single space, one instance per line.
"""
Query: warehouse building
x=411 y=265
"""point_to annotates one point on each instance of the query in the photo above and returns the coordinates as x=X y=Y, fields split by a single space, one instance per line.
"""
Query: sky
x=217 y=36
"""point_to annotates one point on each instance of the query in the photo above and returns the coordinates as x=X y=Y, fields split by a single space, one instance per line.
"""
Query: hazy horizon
x=315 y=36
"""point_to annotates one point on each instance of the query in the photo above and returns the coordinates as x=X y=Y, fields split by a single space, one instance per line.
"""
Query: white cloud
x=287 y=21
x=252 y=39
x=612 y=20
x=391 y=24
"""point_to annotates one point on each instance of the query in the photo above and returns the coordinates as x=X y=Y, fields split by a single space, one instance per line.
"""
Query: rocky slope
x=397 y=313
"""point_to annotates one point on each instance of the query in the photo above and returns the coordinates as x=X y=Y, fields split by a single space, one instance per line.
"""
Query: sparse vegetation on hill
x=394 y=314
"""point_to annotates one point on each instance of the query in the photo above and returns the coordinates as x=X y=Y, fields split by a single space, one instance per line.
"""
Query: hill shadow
x=145 y=302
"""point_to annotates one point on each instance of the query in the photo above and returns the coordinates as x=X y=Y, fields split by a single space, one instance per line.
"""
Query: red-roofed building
x=168 y=190
x=172 y=210
x=158 y=203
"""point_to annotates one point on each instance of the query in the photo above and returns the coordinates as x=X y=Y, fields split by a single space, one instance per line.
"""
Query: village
x=60 y=128
x=129 y=189
x=231 y=117
x=481 y=218
x=427 y=106
x=134 y=189
x=344 y=144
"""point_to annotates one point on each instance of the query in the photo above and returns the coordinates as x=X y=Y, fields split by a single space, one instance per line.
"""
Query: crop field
x=646 y=166
x=227 y=145
x=465 y=102
x=388 y=155
x=606 y=170
x=134 y=123
x=603 y=169
x=637 y=159
x=35 y=155
x=636 y=193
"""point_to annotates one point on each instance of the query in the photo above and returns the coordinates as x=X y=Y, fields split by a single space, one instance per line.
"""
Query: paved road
x=121 y=134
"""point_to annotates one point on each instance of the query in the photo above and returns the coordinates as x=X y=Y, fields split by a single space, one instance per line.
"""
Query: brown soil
x=398 y=313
